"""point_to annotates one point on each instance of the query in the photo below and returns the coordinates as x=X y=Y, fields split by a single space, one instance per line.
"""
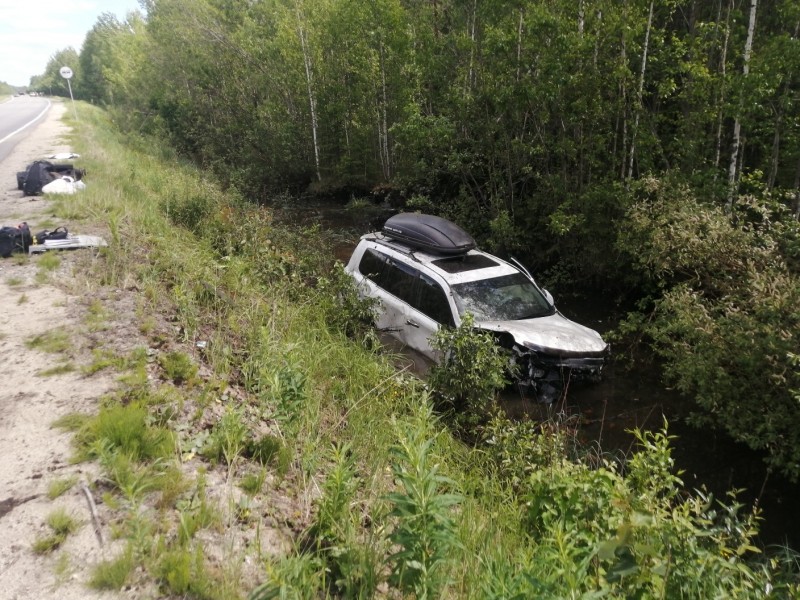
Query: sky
x=31 y=32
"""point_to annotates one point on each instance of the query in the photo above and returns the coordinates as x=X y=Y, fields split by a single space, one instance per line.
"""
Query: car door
x=431 y=309
x=411 y=304
x=376 y=272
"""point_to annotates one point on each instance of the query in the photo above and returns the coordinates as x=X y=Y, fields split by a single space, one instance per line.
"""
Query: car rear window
x=466 y=262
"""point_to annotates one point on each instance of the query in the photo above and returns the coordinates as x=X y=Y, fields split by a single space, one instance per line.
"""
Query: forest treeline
x=648 y=149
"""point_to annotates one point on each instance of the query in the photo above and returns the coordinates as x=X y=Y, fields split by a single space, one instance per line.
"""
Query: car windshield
x=506 y=298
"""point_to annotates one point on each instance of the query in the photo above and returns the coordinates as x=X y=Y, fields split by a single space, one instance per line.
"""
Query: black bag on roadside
x=39 y=175
x=59 y=233
x=14 y=239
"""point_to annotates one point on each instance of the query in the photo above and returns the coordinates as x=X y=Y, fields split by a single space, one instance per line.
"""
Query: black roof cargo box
x=429 y=233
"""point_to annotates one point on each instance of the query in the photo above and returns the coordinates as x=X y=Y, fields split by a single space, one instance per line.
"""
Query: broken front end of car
x=546 y=374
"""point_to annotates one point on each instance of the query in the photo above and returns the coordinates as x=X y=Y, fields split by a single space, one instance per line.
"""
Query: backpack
x=37 y=176
x=14 y=239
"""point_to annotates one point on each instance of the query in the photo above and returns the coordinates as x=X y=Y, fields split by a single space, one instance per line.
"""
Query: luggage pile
x=43 y=176
x=21 y=239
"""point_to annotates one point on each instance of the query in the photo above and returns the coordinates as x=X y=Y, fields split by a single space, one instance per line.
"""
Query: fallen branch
x=93 y=509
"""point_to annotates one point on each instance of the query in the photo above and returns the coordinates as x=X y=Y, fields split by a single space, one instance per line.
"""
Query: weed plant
x=228 y=439
x=425 y=530
x=55 y=341
x=61 y=525
x=113 y=574
x=178 y=367
x=58 y=487
x=60 y=369
x=124 y=430
x=252 y=483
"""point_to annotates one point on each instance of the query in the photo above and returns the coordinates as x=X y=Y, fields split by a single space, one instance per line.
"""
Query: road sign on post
x=66 y=73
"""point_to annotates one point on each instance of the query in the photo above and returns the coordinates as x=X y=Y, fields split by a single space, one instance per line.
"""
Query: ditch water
x=631 y=395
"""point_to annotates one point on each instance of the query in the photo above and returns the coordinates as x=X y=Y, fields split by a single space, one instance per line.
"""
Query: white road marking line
x=28 y=124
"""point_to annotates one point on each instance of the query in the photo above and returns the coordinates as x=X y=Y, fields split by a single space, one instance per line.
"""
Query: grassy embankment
x=290 y=452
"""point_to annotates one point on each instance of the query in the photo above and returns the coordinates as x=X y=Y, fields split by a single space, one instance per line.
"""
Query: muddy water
x=630 y=395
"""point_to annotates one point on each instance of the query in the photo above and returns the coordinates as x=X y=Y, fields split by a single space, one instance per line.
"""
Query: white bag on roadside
x=64 y=185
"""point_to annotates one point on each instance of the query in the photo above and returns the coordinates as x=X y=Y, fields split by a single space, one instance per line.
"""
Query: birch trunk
x=776 y=139
x=737 y=125
x=796 y=207
x=723 y=70
x=640 y=91
x=519 y=44
x=624 y=95
x=383 y=137
x=312 y=102
x=471 y=73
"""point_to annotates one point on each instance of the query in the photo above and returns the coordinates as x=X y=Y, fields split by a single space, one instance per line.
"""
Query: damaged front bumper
x=545 y=373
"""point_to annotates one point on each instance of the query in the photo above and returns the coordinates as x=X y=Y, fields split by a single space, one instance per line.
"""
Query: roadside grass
x=96 y=318
x=113 y=574
x=54 y=341
x=61 y=525
x=60 y=486
x=379 y=496
x=61 y=369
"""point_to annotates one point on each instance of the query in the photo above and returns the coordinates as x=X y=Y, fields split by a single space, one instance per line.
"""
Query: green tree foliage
x=110 y=57
x=51 y=82
x=729 y=316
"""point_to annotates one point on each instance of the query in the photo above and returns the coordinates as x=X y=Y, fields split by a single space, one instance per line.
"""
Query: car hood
x=554 y=335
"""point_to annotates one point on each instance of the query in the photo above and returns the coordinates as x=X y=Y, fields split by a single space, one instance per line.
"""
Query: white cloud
x=31 y=32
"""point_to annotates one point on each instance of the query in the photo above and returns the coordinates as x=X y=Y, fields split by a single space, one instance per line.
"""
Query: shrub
x=473 y=369
x=727 y=318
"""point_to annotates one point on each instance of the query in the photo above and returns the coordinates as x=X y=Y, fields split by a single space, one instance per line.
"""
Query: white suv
x=425 y=273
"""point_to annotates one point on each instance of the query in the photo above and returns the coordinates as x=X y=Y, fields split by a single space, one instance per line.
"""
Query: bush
x=727 y=318
x=468 y=378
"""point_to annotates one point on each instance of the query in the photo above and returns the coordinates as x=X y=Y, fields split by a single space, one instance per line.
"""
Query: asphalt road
x=17 y=116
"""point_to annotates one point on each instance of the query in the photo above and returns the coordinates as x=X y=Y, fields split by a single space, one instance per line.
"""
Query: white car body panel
x=554 y=334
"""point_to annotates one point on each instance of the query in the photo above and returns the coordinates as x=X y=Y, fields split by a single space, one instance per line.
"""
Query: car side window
x=373 y=266
x=394 y=277
x=401 y=281
x=432 y=301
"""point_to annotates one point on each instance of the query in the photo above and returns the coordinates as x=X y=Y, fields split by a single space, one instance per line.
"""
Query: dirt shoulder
x=35 y=454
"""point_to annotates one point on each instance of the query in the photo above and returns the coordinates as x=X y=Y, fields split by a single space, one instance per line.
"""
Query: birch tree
x=302 y=35
x=640 y=90
x=737 y=125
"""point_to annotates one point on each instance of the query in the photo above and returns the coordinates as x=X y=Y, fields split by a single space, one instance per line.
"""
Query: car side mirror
x=549 y=297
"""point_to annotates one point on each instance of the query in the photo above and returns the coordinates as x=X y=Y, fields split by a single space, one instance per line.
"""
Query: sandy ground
x=33 y=453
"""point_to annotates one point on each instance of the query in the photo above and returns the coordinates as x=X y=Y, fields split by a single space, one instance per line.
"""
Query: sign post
x=66 y=73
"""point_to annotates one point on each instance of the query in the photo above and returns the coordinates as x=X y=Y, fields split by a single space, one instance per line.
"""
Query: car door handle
x=412 y=323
